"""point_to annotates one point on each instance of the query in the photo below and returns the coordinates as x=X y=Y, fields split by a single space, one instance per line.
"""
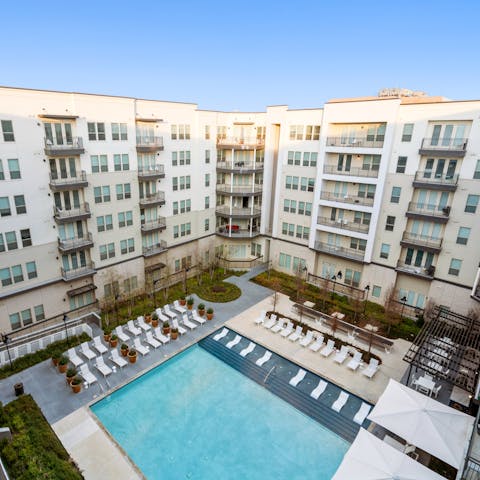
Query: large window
x=390 y=223
x=395 y=197
x=463 y=234
x=455 y=265
x=401 y=164
x=99 y=163
x=121 y=162
x=96 y=131
x=5 y=207
x=7 y=131
x=119 y=131
x=384 y=250
x=123 y=191
x=20 y=204
x=102 y=194
x=407 y=132
x=285 y=261
x=472 y=203
x=14 y=168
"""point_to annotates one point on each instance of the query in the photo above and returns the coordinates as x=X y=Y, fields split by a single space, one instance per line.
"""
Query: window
x=15 y=321
x=39 y=312
x=207 y=156
x=174 y=183
x=390 y=223
x=17 y=273
x=127 y=246
x=384 y=250
x=5 y=277
x=2 y=173
x=463 y=234
x=26 y=316
x=11 y=239
x=472 y=203
x=104 y=223
x=358 y=244
x=99 y=163
x=130 y=284
x=96 y=131
x=20 y=204
x=285 y=261
x=207 y=202
x=296 y=132
x=207 y=132
x=2 y=243
x=286 y=205
x=407 y=132
x=180 y=132
x=125 y=219
x=311 y=184
x=7 y=130
x=395 y=198
x=123 y=191
x=107 y=251
x=14 y=168
x=303 y=184
x=352 y=277
x=312 y=132
x=31 y=270
x=475 y=175
x=119 y=131
x=401 y=164
x=175 y=231
x=376 y=291
x=26 y=237
x=121 y=162
x=207 y=224
x=5 y=207
x=207 y=179
x=111 y=289
x=455 y=266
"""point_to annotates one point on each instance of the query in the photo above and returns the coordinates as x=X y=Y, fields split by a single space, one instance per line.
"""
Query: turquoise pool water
x=195 y=417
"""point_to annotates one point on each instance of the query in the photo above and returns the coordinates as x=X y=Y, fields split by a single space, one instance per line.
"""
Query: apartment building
x=102 y=196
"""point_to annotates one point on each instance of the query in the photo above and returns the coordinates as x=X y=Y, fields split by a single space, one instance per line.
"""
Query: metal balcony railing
x=240 y=166
x=151 y=171
x=82 y=211
x=335 y=197
x=349 y=253
x=159 y=224
x=80 y=271
x=148 y=143
x=343 y=224
x=355 y=142
x=445 y=144
x=430 y=177
x=154 y=249
x=75 y=243
x=237 y=231
x=428 y=209
x=417 y=271
x=68 y=182
x=72 y=146
x=237 y=212
x=153 y=199
x=241 y=143
x=239 y=189
x=422 y=240
x=353 y=171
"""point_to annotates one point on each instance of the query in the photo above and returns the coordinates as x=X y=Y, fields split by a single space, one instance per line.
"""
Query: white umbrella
x=369 y=458
x=424 y=422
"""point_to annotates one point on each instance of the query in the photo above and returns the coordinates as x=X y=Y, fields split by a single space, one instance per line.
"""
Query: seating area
x=425 y=384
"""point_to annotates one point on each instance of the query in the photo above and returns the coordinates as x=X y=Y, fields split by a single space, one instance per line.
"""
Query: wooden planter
x=124 y=352
x=201 y=312
x=76 y=388
x=209 y=316
x=174 y=335
x=62 y=368
x=132 y=358
x=114 y=343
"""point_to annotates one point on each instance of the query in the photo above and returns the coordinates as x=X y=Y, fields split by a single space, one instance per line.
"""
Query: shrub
x=71 y=372
x=155 y=316
x=166 y=324
x=190 y=301
x=124 y=346
x=63 y=360
x=201 y=306
x=77 y=381
x=210 y=310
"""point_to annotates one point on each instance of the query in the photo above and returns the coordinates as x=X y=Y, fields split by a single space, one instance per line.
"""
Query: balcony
x=79 y=272
x=357 y=142
x=76 y=243
x=424 y=211
x=227 y=211
x=151 y=173
x=152 y=199
x=147 y=144
x=352 y=172
x=449 y=147
x=343 y=224
x=415 y=240
x=78 y=213
x=240 y=143
x=159 y=224
x=80 y=181
x=335 y=197
x=343 y=252
x=432 y=181
x=239 y=167
x=73 y=146
x=416 y=271
x=226 y=231
x=159 y=247
x=239 y=190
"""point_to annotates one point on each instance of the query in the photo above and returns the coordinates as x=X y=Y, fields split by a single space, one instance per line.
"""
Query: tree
x=392 y=315
x=110 y=301
x=276 y=285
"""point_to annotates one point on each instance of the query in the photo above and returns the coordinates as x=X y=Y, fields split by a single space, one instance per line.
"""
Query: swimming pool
x=196 y=417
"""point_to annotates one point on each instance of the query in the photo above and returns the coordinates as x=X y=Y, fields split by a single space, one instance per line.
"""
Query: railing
x=422 y=240
x=83 y=209
x=152 y=198
x=334 y=197
x=241 y=142
x=353 y=171
x=428 y=209
x=240 y=166
x=149 y=142
x=75 y=143
x=154 y=249
x=428 y=176
x=428 y=272
x=356 y=142
x=237 y=212
x=81 y=271
x=224 y=188
x=80 y=179
x=343 y=224
x=445 y=144
x=75 y=242
x=340 y=288
x=340 y=251
x=233 y=264
x=158 y=224
x=151 y=170
x=238 y=232
x=472 y=469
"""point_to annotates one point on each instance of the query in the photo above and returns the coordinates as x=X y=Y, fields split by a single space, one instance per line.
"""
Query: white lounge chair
x=371 y=369
x=278 y=326
x=123 y=337
x=169 y=313
x=294 y=381
x=340 y=401
x=178 y=307
x=319 y=389
x=73 y=357
x=117 y=359
x=362 y=413
x=317 y=345
x=271 y=321
x=151 y=341
x=143 y=325
x=266 y=357
x=99 y=346
x=247 y=350
x=287 y=330
x=328 y=348
x=356 y=361
x=161 y=316
x=222 y=334
x=341 y=355
x=261 y=318
x=233 y=342
x=132 y=328
x=87 y=375
x=180 y=329
x=142 y=349
x=85 y=350
x=296 y=334
x=187 y=322
x=307 y=340
x=160 y=336
x=102 y=367
x=197 y=318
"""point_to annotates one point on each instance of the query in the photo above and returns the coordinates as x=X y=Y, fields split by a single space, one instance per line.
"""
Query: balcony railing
x=452 y=147
x=417 y=271
x=241 y=143
x=79 y=181
x=226 y=210
x=428 y=243
x=77 y=213
x=224 y=231
x=76 y=243
x=344 y=252
x=81 y=271
x=149 y=144
x=239 y=189
x=352 y=172
x=356 y=142
x=240 y=167
x=439 y=213
x=151 y=172
x=343 y=224
x=157 y=198
x=159 y=224
x=429 y=179
x=335 y=197
x=155 y=249
x=73 y=146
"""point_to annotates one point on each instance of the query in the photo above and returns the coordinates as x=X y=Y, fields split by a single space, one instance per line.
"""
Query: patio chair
x=157 y=332
x=143 y=325
x=436 y=390
x=187 y=322
x=102 y=367
x=73 y=357
x=180 y=329
x=271 y=321
x=161 y=316
x=294 y=381
x=278 y=326
x=133 y=329
x=317 y=345
x=307 y=340
x=247 y=350
x=287 y=331
x=233 y=342
x=319 y=389
x=117 y=359
x=355 y=362
x=261 y=318
x=197 y=318
x=151 y=341
x=220 y=335
x=123 y=337
x=99 y=346
x=328 y=349
x=139 y=347
x=178 y=307
x=371 y=369
x=362 y=413
x=266 y=357
x=169 y=313
x=85 y=350
x=87 y=375
x=341 y=355
x=296 y=334
x=340 y=401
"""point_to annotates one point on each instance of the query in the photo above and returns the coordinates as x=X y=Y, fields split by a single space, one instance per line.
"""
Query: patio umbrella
x=369 y=458
x=439 y=430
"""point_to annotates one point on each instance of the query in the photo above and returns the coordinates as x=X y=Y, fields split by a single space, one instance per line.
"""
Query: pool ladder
x=268 y=374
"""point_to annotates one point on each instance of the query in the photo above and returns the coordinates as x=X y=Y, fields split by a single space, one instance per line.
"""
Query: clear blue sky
x=242 y=55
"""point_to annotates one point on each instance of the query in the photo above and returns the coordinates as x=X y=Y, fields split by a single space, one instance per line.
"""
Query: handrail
x=268 y=374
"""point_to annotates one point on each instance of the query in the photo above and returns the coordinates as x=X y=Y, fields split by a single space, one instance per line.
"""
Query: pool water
x=195 y=417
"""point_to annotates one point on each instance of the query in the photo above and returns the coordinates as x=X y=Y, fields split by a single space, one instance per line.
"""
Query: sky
x=242 y=55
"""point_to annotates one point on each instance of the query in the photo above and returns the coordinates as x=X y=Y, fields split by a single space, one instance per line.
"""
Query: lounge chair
x=307 y=340
x=294 y=381
x=180 y=329
x=102 y=367
x=187 y=322
x=121 y=334
x=436 y=390
x=266 y=357
x=99 y=346
x=133 y=329
x=341 y=356
x=85 y=351
x=356 y=361
x=328 y=349
x=143 y=325
x=233 y=342
x=139 y=347
x=151 y=341
x=161 y=315
x=87 y=375
x=117 y=359
x=371 y=369
x=278 y=326
x=73 y=357
x=247 y=350
x=296 y=334
x=340 y=401
x=362 y=413
x=220 y=335
x=169 y=313
x=271 y=321
x=319 y=389
x=261 y=318
x=178 y=307
x=410 y=451
x=197 y=318
x=160 y=336
x=287 y=330
x=317 y=345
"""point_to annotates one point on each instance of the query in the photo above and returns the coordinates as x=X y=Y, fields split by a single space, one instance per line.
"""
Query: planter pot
x=201 y=312
x=132 y=358
x=106 y=337
x=190 y=307
x=166 y=330
x=69 y=380
x=124 y=352
x=148 y=318
x=55 y=361
x=62 y=368
x=113 y=343
x=209 y=316
x=77 y=388
x=183 y=302
x=174 y=335
x=154 y=323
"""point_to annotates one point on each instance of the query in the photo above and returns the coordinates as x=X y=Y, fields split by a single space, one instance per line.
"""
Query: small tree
x=392 y=316
x=276 y=285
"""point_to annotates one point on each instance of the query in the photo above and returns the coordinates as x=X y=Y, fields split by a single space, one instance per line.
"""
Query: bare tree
x=111 y=299
x=392 y=316
x=276 y=285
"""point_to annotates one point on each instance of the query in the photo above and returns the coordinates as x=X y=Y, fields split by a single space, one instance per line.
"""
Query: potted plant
x=71 y=373
x=55 y=358
x=154 y=320
x=107 y=333
x=113 y=340
x=174 y=333
x=63 y=364
x=124 y=349
x=183 y=301
x=209 y=313
x=166 y=328
x=132 y=355
x=201 y=309
x=76 y=384
x=190 y=303
x=148 y=318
